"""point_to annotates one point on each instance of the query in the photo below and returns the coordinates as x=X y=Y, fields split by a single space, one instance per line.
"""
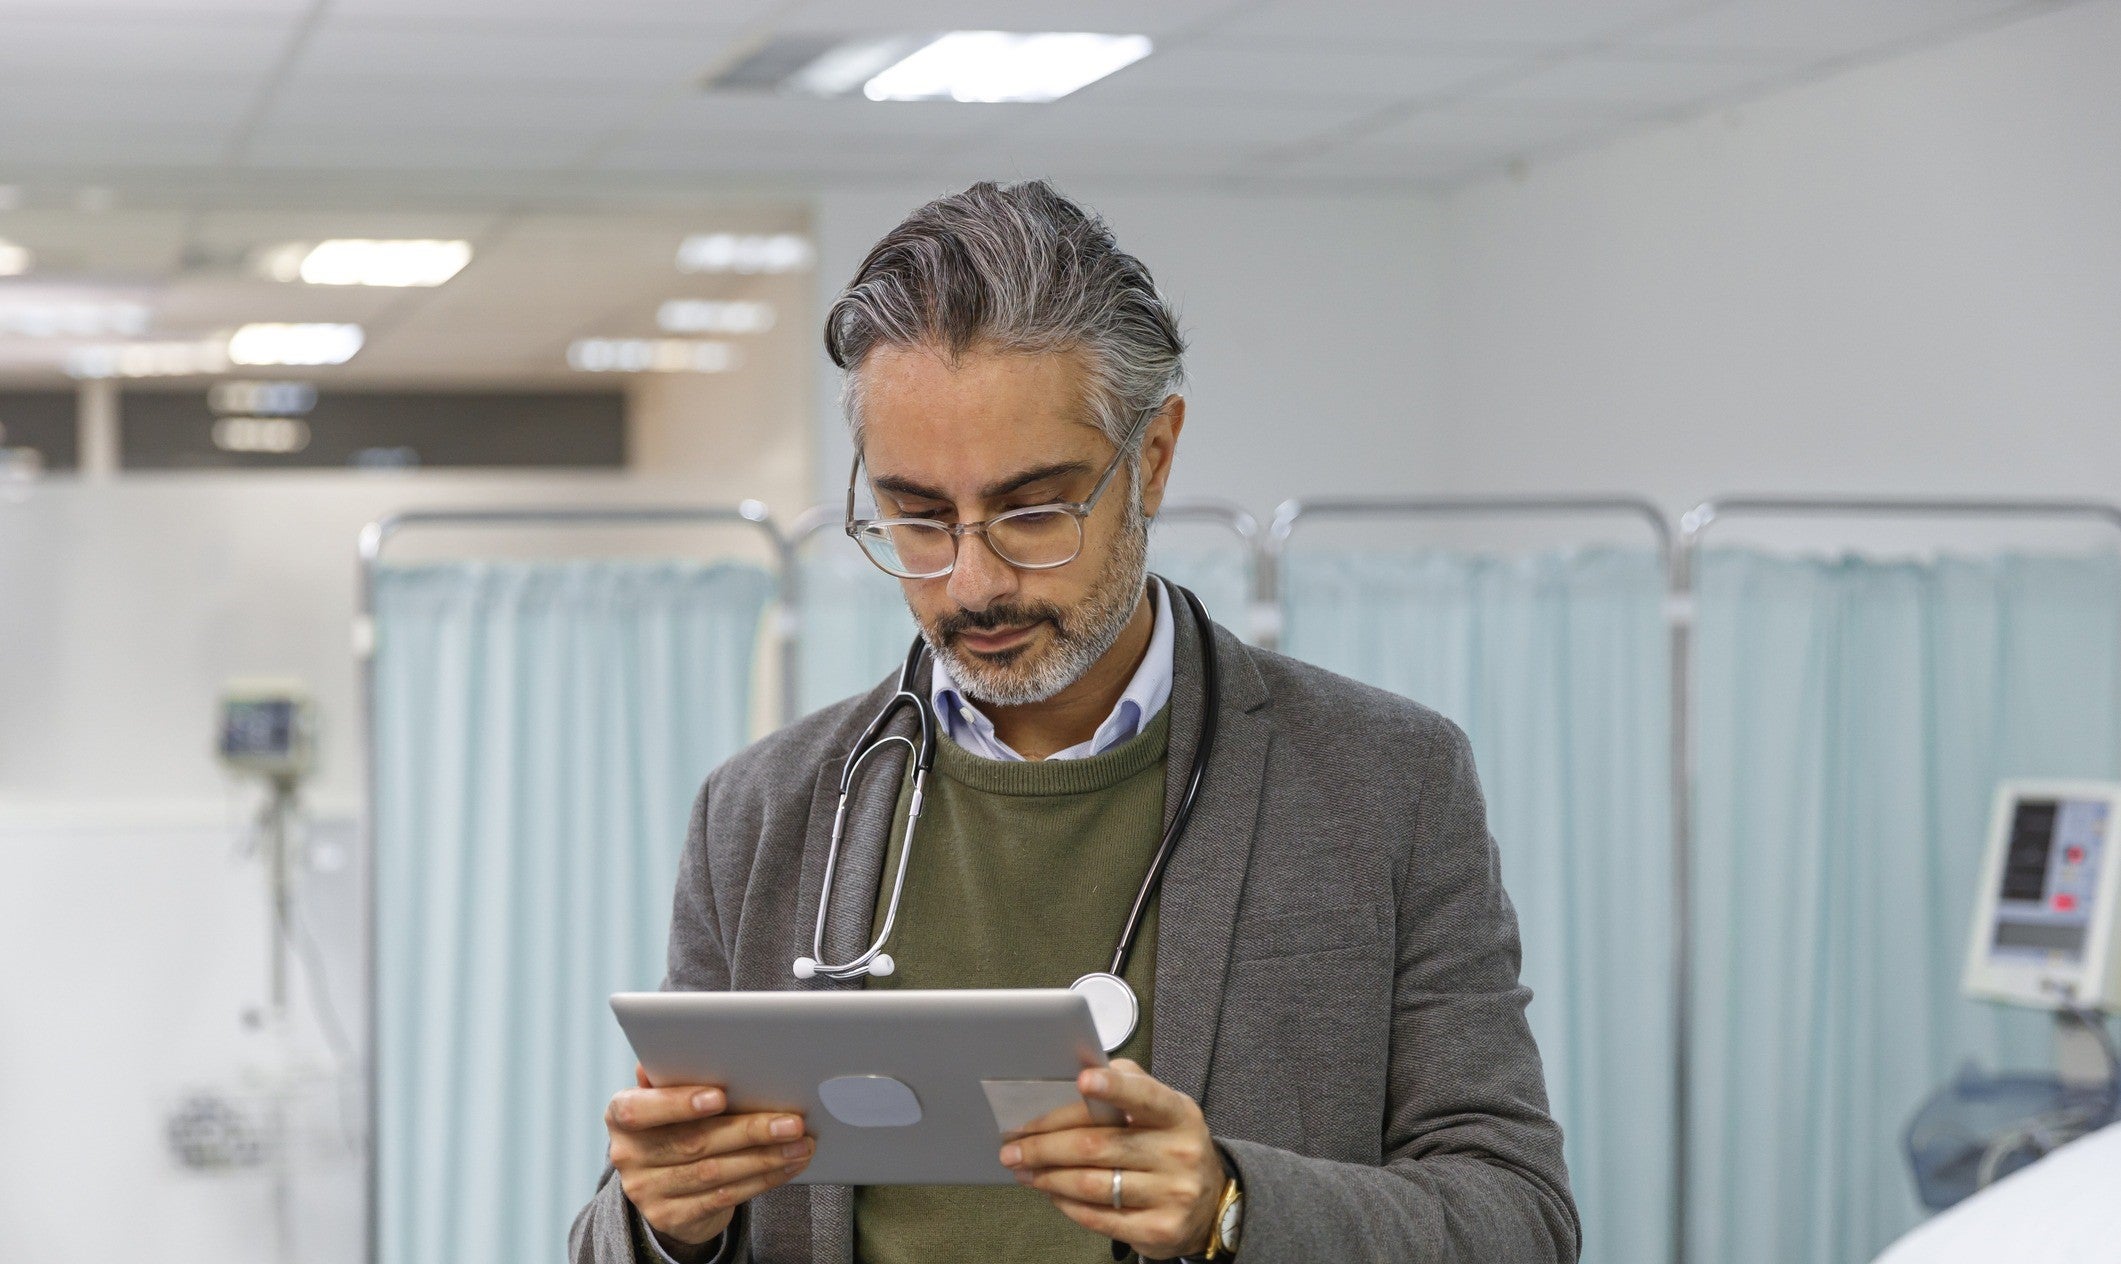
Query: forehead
x=919 y=404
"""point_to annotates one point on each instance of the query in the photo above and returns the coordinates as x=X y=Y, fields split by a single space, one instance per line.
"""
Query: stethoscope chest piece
x=1113 y=1008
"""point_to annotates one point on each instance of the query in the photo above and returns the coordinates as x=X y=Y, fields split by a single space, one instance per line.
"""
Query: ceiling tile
x=130 y=52
x=458 y=57
x=720 y=113
x=77 y=105
x=738 y=155
x=1827 y=27
x=1666 y=81
x=1513 y=126
x=1253 y=73
x=415 y=149
x=189 y=9
x=337 y=106
x=89 y=147
x=126 y=244
x=1529 y=23
x=1110 y=16
x=1241 y=128
x=530 y=15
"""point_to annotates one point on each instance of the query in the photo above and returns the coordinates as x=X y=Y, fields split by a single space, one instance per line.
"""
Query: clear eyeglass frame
x=874 y=534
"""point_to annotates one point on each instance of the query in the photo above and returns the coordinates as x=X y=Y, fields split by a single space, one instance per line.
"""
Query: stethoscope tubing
x=873 y=739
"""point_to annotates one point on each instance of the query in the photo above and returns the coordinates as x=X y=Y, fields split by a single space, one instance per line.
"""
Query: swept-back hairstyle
x=1018 y=268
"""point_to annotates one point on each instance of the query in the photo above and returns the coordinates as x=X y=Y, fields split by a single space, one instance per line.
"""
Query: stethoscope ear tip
x=883 y=966
x=805 y=968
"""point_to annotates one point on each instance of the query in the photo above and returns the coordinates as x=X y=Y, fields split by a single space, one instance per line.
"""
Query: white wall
x=1312 y=323
x=1906 y=278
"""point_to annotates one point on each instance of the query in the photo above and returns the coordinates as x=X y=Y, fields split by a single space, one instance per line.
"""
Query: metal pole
x=374 y=538
x=1693 y=526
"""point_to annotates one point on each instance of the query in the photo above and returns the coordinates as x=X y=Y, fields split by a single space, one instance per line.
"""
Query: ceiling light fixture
x=14 y=259
x=994 y=66
x=714 y=316
x=366 y=261
x=651 y=355
x=278 y=436
x=71 y=318
x=294 y=344
x=744 y=252
x=148 y=359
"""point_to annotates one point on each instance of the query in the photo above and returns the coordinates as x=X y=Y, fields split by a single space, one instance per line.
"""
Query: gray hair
x=1018 y=268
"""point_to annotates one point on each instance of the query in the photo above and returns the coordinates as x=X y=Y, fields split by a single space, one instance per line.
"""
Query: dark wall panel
x=43 y=420
x=174 y=430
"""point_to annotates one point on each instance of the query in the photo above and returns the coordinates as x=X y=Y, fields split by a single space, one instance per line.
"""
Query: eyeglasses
x=1034 y=538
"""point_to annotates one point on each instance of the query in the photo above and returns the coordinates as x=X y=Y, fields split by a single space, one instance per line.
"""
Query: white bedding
x=2065 y=1209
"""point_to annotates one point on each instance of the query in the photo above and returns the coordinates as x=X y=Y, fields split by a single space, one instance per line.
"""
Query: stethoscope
x=1113 y=1006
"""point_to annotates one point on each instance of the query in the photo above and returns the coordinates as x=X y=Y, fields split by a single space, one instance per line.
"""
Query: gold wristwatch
x=1229 y=1222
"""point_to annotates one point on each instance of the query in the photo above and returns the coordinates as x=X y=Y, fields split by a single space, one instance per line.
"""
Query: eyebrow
x=907 y=488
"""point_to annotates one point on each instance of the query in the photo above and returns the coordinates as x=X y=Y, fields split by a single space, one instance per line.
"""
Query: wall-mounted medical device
x=268 y=727
x=2045 y=920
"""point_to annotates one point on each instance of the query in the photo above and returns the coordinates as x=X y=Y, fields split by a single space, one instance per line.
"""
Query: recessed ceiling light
x=279 y=399
x=149 y=359
x=54 y=317
x=744 y=252
x=1005 y=66
x=714 y=316
x=651 y=355
x=364 y=261
x=14 y=259
x=279 y=436
x=294 y=344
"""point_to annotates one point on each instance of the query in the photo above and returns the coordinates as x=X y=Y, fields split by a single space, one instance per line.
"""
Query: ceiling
x=151 y=143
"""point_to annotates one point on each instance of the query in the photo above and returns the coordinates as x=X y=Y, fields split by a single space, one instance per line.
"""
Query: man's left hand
x=1171 y=1175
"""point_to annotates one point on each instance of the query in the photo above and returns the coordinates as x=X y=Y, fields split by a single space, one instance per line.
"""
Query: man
x=1333 y=1061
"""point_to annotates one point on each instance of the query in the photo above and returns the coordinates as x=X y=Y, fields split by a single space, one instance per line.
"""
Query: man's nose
x=981 y=577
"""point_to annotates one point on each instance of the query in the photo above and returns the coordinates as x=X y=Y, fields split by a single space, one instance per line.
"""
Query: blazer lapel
x=1197 y=910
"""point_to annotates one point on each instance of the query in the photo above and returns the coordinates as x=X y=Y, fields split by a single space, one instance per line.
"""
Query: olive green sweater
x=1022 y=876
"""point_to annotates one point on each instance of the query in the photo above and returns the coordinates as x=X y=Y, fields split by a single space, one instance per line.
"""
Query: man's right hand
x=686 y=1166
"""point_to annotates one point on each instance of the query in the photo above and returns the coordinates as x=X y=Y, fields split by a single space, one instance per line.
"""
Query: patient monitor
x=2045 y=920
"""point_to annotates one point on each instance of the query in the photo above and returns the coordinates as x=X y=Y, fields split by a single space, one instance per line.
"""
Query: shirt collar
x=1146 y=693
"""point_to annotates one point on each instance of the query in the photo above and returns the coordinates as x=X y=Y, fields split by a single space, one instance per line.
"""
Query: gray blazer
x=1336 y=971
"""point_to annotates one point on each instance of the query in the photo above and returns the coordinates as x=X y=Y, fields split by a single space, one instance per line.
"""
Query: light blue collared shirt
x=1144 y=696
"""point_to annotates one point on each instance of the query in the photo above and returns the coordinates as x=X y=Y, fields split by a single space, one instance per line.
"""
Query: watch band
x=1217 y=1248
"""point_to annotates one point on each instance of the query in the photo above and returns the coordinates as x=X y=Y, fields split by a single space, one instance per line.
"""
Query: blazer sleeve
x=1473 y=1167
x=609 y=1230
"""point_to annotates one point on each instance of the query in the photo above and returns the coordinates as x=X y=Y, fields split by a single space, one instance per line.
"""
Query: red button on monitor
x=2065 y=903
x=2074 y=855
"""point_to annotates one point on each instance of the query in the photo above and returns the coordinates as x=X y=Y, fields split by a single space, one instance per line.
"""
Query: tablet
x=899 y=1088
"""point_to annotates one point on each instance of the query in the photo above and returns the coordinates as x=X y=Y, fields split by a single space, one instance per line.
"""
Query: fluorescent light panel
x=294 y=344
x=714 y=316
x=366 y=261
x=996 y=66
x=651 y=355
x=149 y=359
x=72 y=318
x=279 y=436
x=14 y=259
x=746 y=253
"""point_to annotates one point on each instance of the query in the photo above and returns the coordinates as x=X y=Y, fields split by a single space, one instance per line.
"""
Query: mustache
x=1008 y=615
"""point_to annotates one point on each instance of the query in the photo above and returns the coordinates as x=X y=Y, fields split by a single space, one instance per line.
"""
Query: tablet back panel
x=772 y=1051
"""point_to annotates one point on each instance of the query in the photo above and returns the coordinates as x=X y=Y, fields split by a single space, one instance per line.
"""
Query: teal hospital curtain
x=1854 y=718
x=1556 y=665
x=542 y=730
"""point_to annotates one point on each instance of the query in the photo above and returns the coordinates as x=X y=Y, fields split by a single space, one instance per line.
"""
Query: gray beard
x=1090 y=632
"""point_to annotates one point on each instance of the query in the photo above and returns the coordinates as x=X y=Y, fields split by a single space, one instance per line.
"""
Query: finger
x=1148 y=1102
x=699 y=1139
x=728 y=1196
x=1106 y=1148
x=1093 y=1185
x=640 y=1076
x=1075 y=1114
x=638 y=1109
x=690 y=1180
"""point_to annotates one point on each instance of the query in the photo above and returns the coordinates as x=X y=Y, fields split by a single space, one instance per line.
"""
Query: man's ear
x=1159 y=449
